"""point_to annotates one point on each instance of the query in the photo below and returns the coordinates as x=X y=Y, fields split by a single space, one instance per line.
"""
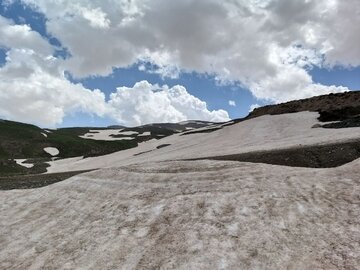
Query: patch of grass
x=77 y=131
x=71 y=146
x=18 y=140
x=7 y=168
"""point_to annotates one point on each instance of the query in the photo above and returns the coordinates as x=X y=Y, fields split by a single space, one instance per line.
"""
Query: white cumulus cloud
x=147 y=103
x=232 y=103
x=267 y=46
x=253 y=107
x=250 y=42
x=43 y=95
x=21 y=36
x=33 y=89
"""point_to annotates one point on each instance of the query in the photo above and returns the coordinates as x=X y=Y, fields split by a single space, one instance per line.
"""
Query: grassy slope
x=72 y=145
x=18 y=140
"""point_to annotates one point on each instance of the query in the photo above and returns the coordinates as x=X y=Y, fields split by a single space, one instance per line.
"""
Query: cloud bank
x=267 y=46
x=147 y=103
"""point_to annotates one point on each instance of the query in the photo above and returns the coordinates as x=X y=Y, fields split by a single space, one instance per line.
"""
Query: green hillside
x=20 y=141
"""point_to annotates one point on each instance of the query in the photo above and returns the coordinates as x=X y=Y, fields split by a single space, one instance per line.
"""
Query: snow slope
x=262 y=133
x=186 y=215
x=146 y=210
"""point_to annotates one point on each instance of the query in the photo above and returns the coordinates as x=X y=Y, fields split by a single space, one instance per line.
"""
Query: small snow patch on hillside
x=21 y=163
x=51 y=151
x=44 y=134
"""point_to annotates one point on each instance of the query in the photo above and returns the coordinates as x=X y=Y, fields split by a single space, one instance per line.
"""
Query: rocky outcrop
x=332 y=107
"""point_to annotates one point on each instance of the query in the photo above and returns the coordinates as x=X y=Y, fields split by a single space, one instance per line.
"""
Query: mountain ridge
x=26 y=141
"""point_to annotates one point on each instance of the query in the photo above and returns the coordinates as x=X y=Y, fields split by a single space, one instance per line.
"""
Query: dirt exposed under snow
x=187 y=215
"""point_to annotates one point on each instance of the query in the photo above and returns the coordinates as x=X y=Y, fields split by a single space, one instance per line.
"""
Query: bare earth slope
x=187 y=215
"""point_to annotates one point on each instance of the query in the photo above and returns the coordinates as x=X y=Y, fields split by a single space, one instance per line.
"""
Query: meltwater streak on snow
x=262 y=133
x=186 y=215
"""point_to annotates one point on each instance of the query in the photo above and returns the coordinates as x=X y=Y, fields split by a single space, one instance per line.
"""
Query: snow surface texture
x=21 y=163
x=262 y=133
x=51 y=151
x=187 y=215
x=143 y=211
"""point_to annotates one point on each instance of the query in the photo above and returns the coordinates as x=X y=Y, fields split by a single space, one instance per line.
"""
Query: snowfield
x=146 y=208
x=258 y=134
x=187 y=215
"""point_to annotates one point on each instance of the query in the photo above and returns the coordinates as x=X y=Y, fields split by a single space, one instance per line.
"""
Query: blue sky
x=349 y=77
x=201 y=82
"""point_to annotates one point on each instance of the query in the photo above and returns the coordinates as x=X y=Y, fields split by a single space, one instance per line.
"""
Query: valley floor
x=187 y=215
